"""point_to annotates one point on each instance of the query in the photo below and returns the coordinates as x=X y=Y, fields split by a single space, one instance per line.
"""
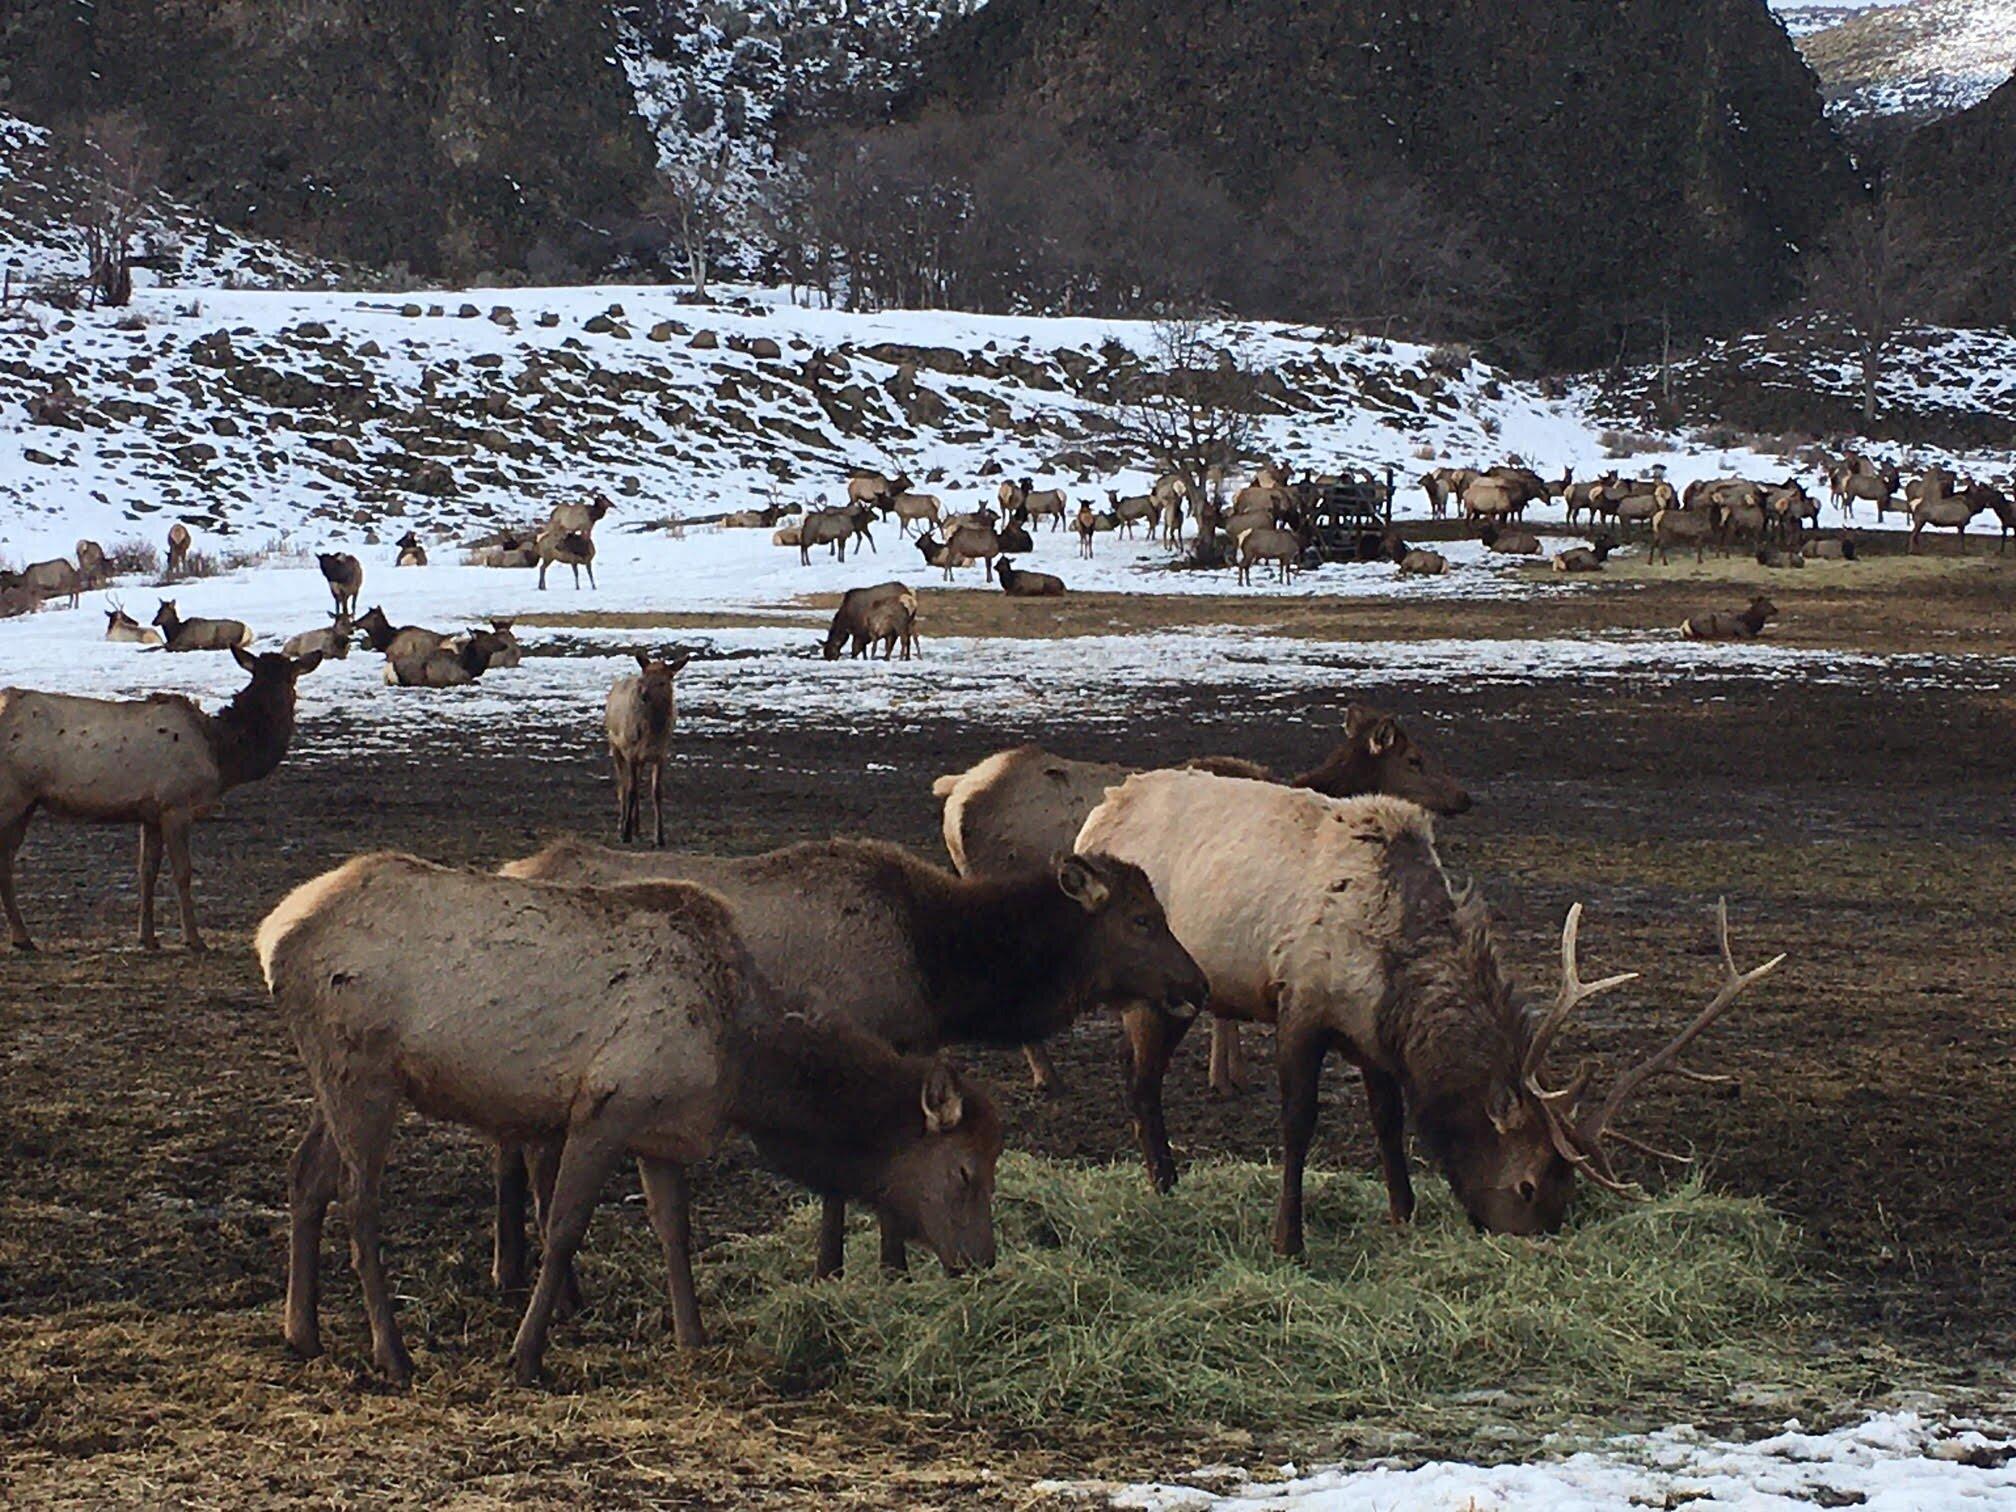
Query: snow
x=1891 y=1462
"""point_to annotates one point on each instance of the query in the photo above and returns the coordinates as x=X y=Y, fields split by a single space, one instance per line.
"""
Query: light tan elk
x=1943 y=510
x=875 y=490
x=914 y=508
x=331 y=642
x=1136 y=509
x=91 y=566
x=200 y=634
x=121 y=626
x=178 y=551
x=159 y=762
x=639 y=715
x=1344 y=933
x=52 y=579
x=404 y=983
x=574 y=549
x=1267 y=544
x=453 y=662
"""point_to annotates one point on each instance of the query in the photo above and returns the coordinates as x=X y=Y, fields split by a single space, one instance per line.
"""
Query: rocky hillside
x=1622 y=160
x=1957 y=179
x=449 y=135
x=1888 y=68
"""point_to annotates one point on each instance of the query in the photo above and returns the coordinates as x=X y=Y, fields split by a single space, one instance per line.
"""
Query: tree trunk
x=1871 y=367
x=1204 y=548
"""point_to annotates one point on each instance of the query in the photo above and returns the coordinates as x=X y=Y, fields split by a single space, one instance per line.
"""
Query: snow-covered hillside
x=1919 y=60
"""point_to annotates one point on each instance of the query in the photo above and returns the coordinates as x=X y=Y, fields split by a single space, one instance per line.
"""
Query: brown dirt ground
x=150 y=1101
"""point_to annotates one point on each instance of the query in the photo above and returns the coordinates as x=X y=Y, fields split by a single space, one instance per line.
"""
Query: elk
x=178 y=551
x=574 y=549
x=121 y=626
x=1040 y=503
x=1513 y=541
x=1987 y=496
x=1583 y=498
x=448 y=663
x=1267 y=544
x=1686 y=527
x=914 y=508
x=965 y=545
x=576 y=519
x=506 y=651
x=52 y=579
x=1172 y=521
x=1356 y=942
x=1136 y=509
x=1019 y=584
x=199 y=634
x=1840 y=549
x=406 y=983
x=921 y=958
x=1488 y=497
x=1873 y=488
x=1727 y=625
x=1588 y=558
x=886 y=612
x=876 y=491
x=1943 y=509
x=404 y=642
x=345 y=576
x=159 y=762
x=1013 y=534
x=1086 y=523
x=331 y=641
x=834 y=528
x=1413 y=561
x=1021 y=806
x=411 y=552
x=91 y=572
x=638 y=716
x=753 y=519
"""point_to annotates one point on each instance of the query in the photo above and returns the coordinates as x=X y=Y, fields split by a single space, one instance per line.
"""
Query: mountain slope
x=1915 y=62
x=1957 y=179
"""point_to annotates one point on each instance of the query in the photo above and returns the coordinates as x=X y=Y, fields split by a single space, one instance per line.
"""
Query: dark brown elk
x=1013 y=534
x=860 y=621
x=91 y=568
x=199 y=634
x=1357 y=943
x=651 y=1035
x=833 y=528
x=638 y=716
x=178 y=551
x=1511 y=540
x=1684 y=528
x=1987 y=496
x=345 y=576
x=411 y=552
x=1020 y=806
x=921 y=958
x=1723 y=624
x=159 y=762
x=121 y=626
x=1019 y=584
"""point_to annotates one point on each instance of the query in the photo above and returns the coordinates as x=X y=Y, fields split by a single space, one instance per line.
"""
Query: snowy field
x=1893 y=1462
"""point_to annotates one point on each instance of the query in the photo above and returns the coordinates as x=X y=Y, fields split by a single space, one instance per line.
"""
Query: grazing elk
x=411 y=552
x=121 y=626
x=1342 y=931
x=921 y=958
x=91 y=565
x=345 y=576
x=159 y=762
x=1021 y=806
x=886 y=613
x=639 y=715
x=52 y=579
x=331 y=641
x=179 y=634
x=1721 y=624
x=179 y=543
x=652 y=1034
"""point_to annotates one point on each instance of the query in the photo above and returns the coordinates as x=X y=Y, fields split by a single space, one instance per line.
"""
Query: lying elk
x=1017 y=583
x=159 y=762
x=1510 y=540
x=1727 y=625
x=404 y=641
x=121 y=626
x=1358 y=943
x=1413 y=561
x=411 y=552
x=1021 y=806
x=406 y=983
x=345 y=576
x=639 y=715
x=200 y=634
x=331 y=641
x=921 y=958
x=451 y=663
x=1588 y=558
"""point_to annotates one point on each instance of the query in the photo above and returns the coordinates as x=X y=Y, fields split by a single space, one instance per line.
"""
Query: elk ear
x=1079 y=882
x=644 y=660
x=943 y=1104
x=243 y=657
x=679 y=662
x=1384 y=737
x=1504 y=1109
x=303 y=665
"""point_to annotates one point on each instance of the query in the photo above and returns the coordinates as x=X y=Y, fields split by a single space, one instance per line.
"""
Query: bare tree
x=124 y=171
x=1191 y=409
x=689 y=201
x=1862 y=278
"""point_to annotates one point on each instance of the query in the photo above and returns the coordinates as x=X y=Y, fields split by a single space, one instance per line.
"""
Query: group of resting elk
x=587 y=1004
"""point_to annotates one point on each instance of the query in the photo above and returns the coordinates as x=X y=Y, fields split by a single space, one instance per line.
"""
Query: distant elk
x=179 y=543
x=875 y=490
x=1726 y=625
x=835 y=528
x=1019 y=584
x=91 y=565
x=345 y=576
x=411 y=552
x=52 y=579
x=885 y=614
x=330 y=641
x=200 y=634
x=159 y=762
x=1038 y=502
x=638 y=715
x=121 y=626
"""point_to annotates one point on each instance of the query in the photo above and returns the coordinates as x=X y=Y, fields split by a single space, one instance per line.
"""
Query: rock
x=487 y=360
x=341 y=447
x=435 y=312
x=548 y=318
x=312 y=330
x=662 y=331
x=764 y=347
x=194 y=454
x=224 y=425
x=614 y=312
x=410 y=311
x=40 y=457
x=371 y=349
x=704 y=341
x=598 y=325
x=501 y=315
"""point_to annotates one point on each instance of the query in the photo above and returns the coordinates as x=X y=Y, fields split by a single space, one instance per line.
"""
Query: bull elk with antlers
x=1332 y=919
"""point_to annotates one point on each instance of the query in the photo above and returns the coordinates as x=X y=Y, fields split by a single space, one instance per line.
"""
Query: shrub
x=131 y=555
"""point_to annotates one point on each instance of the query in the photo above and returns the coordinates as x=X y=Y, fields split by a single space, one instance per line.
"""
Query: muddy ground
x=150 y=1101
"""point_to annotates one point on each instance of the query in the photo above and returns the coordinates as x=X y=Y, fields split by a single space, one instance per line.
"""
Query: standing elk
x=1943 y=509
x=639 y=716
x=834 y=528
x=1683 y=527
x=1086 y=523
x=91 y=566
x=200 y=634
x=52 y=579
x=1342 y=931
x=914 y=508
x=921 y=958
x=406 y=983
x=573 y=549
x=159 y=762
x=1283 y=548
x=178 y=551
x=345 y=576
x=886 y=613
x=1136 y=509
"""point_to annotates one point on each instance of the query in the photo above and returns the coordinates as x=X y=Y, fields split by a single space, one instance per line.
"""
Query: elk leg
x=507 y=1247
x=668 y=1199
x=545 y=1173
x=585 y=1162
x=658 y=803
x=895 y=1255
x=1042 y=1070
x=11 y=836
x=362 y=1132
x=832 y=1259
x=150 y=872
x=311 y=1186
x=1228 y=1058
x=591 y=577
x=1151 y=1038
x=1388 y=1107
x=1299 y=1048
x=622 y=798
x=175 y=835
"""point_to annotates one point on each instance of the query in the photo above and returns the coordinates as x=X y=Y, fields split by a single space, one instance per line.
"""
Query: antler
x=1574 y=991
x=1734 y=984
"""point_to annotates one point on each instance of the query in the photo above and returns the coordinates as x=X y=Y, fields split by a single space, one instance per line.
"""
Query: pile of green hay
x=1112 y=1303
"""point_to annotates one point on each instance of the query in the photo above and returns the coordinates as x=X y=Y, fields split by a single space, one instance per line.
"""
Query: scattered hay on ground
x=1111 y=1302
